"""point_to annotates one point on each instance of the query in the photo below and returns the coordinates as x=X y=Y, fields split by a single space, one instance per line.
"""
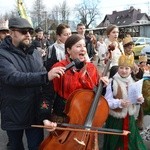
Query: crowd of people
x=35 y=79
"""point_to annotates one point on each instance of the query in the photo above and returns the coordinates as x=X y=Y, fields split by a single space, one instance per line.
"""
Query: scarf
x=60 y=50
x=123 y=83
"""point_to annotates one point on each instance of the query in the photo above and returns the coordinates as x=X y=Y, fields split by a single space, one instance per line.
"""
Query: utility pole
x=45 y=16
x=39 y=11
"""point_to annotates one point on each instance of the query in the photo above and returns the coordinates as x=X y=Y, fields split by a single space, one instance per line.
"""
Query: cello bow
x=100 y=130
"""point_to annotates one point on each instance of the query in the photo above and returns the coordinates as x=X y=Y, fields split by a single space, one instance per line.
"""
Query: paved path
x=4 y=140
x=146 y=123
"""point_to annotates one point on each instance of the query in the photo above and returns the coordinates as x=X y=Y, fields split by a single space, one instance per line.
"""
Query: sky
x=105 y=6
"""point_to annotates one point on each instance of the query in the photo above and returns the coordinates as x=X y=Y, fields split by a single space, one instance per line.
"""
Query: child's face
x=124 y=72
x=101 y=40
x=144 y=63
x=129 y=50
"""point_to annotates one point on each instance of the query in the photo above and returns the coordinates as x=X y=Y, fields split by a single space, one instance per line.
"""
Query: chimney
x=114 y=12
x=139 y=10
x=131 y=7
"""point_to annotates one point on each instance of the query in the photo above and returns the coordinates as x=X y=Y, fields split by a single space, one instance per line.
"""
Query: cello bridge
x=80 y=142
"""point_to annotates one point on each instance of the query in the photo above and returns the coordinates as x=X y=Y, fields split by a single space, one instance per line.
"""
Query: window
x=147 y=41
x=141 y=40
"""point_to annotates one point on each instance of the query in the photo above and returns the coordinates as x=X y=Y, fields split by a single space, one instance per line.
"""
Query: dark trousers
x=34 y=137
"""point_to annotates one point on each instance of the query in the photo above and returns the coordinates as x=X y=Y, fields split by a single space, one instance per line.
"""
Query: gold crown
x=127 y=40
x=126 y=61
x=143 y=58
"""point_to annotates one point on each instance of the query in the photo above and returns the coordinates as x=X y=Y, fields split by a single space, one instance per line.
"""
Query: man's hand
x=56 y=72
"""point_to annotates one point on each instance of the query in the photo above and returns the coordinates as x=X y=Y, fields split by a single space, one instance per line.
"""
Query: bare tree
x=60 y=12
x=8 y=15
x=38 y=12
x=54 y=14
x=87 y=11
x=64 y=12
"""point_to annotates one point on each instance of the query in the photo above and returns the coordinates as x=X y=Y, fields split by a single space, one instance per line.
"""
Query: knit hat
x=4 y=25
x=126 y=61
x=20 y=23
x=127 y=41
x=143 y=58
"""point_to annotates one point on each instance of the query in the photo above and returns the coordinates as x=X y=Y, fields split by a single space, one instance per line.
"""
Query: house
x=130 y=20
x=125 y=17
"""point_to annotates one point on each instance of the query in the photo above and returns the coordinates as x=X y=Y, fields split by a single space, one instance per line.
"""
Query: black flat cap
x=19 y=23
x=39 y=29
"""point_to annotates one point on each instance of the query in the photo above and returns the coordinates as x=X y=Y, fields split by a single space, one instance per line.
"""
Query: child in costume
x=144 y=66
x=146 y=93
x=122 y=110
x=146 y=84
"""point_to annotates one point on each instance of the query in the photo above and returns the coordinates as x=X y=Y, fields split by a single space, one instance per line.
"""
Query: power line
x=125 y=4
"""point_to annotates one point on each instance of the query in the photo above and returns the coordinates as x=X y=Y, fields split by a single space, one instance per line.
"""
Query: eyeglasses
x=24 y=31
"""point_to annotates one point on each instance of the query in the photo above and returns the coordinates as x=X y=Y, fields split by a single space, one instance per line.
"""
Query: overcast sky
x=105 y=6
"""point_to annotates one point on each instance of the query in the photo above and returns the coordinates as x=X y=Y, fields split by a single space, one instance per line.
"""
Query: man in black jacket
x=41 y=43
x=81 y=31
x=22 y=74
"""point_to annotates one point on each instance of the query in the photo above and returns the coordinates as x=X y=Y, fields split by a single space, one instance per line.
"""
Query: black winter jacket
x=22 y=74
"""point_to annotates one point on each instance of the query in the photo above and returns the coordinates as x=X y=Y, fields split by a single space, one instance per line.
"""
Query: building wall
x=145 y=31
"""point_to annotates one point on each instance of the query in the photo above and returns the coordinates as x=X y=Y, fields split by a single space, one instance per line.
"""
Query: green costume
x=115 y=142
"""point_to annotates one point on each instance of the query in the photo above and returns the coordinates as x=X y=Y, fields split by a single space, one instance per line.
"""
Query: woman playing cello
x=83 y=76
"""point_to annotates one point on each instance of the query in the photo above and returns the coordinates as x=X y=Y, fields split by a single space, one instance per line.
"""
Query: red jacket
x=86 y=78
